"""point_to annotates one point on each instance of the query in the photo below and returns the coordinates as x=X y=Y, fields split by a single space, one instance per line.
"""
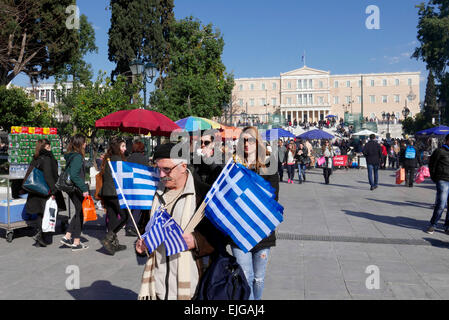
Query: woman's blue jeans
x=302 y=171
x=254 y=265
x=440 y=203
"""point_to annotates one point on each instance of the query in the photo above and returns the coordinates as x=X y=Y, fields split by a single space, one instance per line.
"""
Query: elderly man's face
x=172 y=175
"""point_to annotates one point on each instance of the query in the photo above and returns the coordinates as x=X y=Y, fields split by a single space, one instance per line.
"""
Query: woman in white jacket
x=328 y=154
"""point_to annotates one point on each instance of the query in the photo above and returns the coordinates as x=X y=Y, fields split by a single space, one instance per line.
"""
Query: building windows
x=321 y=84
x=384 y=99
x=335 y=84
x=396 y=82
x=262 y=102
x=310 y=99
x=273 y=85
x=47 y=95
x=263 y=86
x=289 y=85
x=273 y=101
x=320 y=101
x=372 y=99
x=241 y=87
x=251 y=87
x=251 y=102
x=241 y=102
x=348 y=99
x=305 y=84
x=289 y=101
x=336 y=100
x=372 y=83
x=299 y=84
x=52 y=96
x=359 y=99
x=396 y=98
x=348 y=84
x=384 y=82
x=310 y=84
x=409 y=81
x=300 y=99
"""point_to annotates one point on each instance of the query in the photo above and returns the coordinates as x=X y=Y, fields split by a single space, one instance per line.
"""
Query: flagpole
x=126 y=203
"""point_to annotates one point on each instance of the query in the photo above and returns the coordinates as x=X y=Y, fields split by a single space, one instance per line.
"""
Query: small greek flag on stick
x=136 y=184
x=243 y=206
x=163 y=229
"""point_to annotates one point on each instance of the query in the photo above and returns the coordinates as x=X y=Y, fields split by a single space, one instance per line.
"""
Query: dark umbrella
x=139 y=121
x=315 y=134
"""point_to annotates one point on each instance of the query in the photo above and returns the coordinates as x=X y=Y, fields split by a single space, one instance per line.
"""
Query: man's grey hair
x=179 y=161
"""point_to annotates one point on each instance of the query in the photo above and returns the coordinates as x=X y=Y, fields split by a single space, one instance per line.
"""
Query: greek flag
x=243 y=206
x=136 y=184
x=163 y=229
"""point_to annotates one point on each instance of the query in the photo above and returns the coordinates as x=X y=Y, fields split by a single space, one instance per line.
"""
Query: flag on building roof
x=241 y=208
x=136 y=184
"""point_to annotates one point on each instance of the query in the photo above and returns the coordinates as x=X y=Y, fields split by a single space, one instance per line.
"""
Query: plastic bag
x=50 y=214
x=89 y=212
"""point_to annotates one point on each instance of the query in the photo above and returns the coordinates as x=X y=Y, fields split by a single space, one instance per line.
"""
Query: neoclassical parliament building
x=309 y=95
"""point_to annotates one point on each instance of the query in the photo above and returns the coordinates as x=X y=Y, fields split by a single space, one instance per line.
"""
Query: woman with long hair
x=328 y=154
x=117 y=217
x=75 y=165
x=290 y=159
x=252 y=154
x=45 y=161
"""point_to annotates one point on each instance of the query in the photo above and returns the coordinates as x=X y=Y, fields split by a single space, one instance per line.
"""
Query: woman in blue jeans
x=302 y=160
x=254 y=157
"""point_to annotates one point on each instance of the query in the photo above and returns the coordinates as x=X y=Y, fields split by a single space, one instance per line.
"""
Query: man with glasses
x=177 y=276
x=212 y=159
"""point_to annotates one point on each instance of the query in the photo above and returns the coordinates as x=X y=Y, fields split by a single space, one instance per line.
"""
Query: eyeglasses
x=167 y=171
x=206 y=143
x=249 y=140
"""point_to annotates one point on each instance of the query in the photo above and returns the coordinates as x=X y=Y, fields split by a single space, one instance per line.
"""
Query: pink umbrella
x=139 y=121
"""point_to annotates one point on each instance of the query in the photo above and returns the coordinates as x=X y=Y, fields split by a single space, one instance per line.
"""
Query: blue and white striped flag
x=241 y=208
x=137 y=182
x=162 y=228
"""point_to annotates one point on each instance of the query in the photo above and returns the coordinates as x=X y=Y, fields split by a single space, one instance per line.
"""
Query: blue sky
x=267 y=37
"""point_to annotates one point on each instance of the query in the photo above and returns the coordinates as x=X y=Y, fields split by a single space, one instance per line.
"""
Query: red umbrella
x=138 y=121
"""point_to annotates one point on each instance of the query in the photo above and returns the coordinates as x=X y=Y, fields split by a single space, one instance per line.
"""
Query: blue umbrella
x=274 y=134
x=331 y=116
x=315 y=134
x=440 y=130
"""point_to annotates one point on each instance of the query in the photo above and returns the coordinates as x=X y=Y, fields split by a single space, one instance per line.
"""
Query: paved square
x=330 y=236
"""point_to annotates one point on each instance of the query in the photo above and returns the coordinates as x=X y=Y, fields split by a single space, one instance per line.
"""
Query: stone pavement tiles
x=330 y=241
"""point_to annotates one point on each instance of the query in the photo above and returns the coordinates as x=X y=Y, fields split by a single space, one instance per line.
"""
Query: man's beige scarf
x=148 y=287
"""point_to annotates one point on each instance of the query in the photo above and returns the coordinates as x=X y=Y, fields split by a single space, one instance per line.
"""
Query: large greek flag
x=136 y=184
x=242 y=206
x=162 y=228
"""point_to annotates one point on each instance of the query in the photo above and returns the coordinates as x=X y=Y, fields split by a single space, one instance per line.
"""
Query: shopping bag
x=400 y=176
x=424 y=171
x=321 y=161
x=50 y=214
x=419 y=177
x=89 y=212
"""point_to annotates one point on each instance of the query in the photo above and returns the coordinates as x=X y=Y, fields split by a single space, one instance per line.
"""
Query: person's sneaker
x=372 y=188
x=108 y=245
x=430 y=230
x=375 y=187
x=66 y=242
x=80 y=247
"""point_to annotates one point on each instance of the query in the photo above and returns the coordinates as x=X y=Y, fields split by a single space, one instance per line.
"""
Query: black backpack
x=223 y=280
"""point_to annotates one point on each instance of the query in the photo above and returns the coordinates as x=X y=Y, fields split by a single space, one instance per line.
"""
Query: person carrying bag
x=45 y=162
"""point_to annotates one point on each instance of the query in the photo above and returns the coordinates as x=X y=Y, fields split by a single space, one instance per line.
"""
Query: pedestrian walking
x=384 y=155
x=291 y=161
x=45 y=161
x=328 y=155
x=181 y=193
x=409 y=160
x=76 y=170
x=302 y=159
x=254 y=262
x=373 y=154
x=117 y=217
x=281 y=158
x=439 y=173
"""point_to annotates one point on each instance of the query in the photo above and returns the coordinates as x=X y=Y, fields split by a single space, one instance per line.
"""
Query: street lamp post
x=148 y=71
x=388 y=115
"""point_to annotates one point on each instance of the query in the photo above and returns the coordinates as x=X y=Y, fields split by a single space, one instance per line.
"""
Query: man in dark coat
x=373 y=154
x=409 y=159
x=439 y=173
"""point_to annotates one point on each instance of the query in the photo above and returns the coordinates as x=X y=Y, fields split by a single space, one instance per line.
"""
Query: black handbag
x=35 y=183
x=64 y=182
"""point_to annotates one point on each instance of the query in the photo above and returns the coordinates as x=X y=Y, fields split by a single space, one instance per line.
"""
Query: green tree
x=196 y=83
x=430 y=101
x=140 y=29
x=34 y=38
